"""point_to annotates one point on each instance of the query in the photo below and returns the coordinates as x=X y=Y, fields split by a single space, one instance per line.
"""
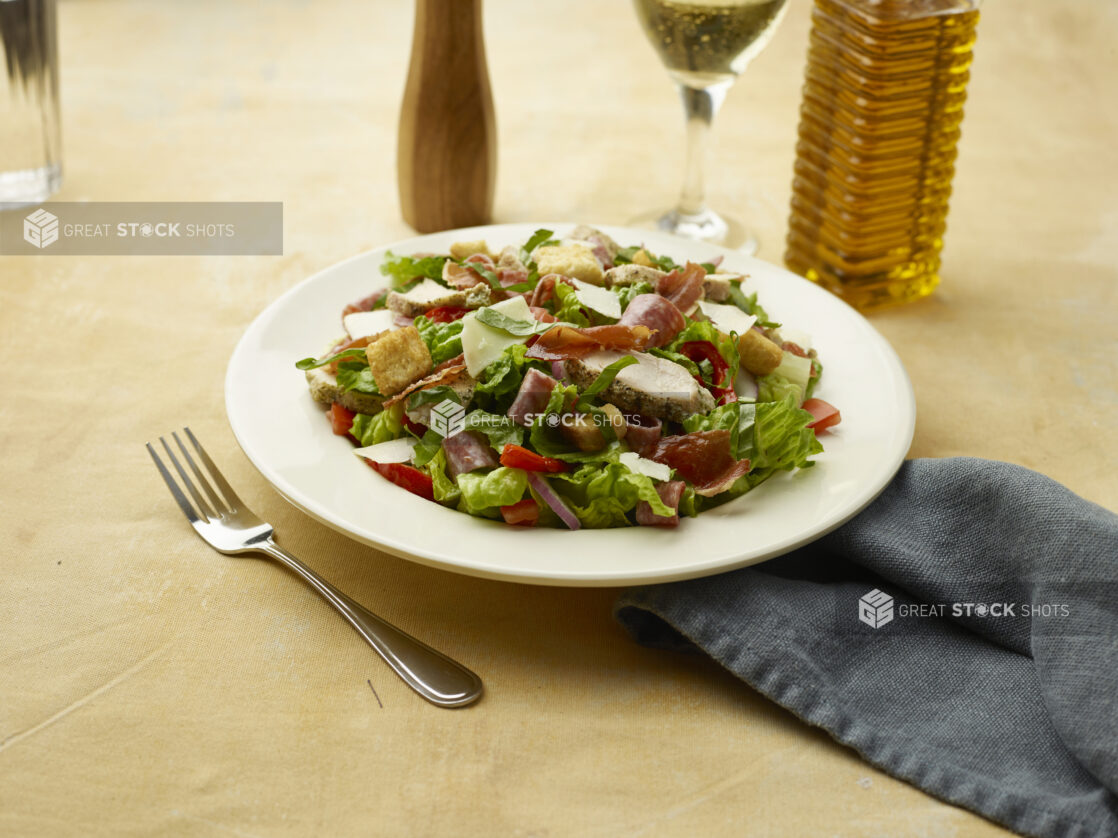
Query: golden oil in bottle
x=883 y=101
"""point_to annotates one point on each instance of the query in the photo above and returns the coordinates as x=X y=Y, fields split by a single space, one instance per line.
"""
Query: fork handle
x=432 y=674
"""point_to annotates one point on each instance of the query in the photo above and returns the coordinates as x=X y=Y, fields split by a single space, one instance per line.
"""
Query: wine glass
x=705 y=46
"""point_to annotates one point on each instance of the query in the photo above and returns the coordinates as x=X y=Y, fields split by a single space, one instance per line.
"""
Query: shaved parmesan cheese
x=649 y=468
x=727 y=318
x=482 y=345
x=392 y=451
x=601 y=300
x=429 y=291
x=363 y=324
x=801 y=339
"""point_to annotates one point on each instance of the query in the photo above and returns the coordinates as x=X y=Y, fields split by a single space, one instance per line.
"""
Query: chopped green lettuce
x=626 y=292
x=483 y=493
x=403 y=269
x=603 y=495
x=370 y=429
x=356 y=375
x=444 y=340
x=445 y=490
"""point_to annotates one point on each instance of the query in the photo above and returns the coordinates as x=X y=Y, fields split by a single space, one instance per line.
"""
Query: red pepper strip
x=825 y=415
x=524 y=512
x=703 y=350
x=447 y=314
x=406 y=477
x=517 y=456
x=341 y=418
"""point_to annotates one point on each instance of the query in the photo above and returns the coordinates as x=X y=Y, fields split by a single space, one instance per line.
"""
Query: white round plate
x=288 y=438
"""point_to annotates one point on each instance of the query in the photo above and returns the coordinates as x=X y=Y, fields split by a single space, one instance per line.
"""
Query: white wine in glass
x=705 y=46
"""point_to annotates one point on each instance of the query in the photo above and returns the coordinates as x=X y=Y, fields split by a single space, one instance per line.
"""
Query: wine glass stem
x=700 y=105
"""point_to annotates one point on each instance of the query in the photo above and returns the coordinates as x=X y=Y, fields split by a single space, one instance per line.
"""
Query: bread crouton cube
x=460 y=250
x=573 y=260
x=758 y=354
x=397 y=359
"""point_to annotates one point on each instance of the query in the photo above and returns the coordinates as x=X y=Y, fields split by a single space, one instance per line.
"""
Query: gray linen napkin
x=977 y=700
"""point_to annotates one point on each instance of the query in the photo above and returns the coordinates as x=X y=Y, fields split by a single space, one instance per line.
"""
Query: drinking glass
x=705 y=46
x=30 y=147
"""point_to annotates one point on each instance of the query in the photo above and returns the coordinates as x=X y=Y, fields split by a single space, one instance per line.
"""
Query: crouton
x=643 y=257
x=758 y=354
x=460 y=250
x=397 y=359
x=573 y=260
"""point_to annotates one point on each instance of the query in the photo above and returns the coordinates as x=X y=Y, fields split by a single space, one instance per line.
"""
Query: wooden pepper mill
x=446 y=158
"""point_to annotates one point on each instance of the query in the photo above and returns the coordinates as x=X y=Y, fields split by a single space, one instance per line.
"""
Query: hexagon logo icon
x=40 y=228
x=875 y=609
x=448 y=418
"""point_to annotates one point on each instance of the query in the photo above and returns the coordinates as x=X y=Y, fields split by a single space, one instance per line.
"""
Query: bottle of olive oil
x=883 y=101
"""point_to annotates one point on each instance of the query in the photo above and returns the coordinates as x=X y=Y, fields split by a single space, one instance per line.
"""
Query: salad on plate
x=570 y=382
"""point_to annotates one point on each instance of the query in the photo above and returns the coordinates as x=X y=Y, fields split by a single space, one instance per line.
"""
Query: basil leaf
x=429 y=445
x=604 y=379
x=540 y=237
x=483 y=272
x=312 y=363
x=749 y=305
x=519 y=328
x=432 y=395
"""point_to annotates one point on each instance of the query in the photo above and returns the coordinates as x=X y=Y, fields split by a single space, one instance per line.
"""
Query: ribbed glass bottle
x=883 y=100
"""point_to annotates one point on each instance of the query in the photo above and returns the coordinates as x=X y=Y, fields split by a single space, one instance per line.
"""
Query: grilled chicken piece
x=652 y=387
x=632 y=274
x=430 y=294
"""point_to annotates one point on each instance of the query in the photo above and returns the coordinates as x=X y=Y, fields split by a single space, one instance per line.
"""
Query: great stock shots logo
x=448 y=418
x=875 y=609
x=40 y=228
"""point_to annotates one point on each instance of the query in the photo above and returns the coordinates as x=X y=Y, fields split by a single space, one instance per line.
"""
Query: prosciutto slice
x=467 y=451
x=459 y=277
x=658 y=313
x=702 y=458
x=563 y=342
x=532 y=396
x=670 y=494
x=443 y=376
x=545 y=289
x=684 y=287
x=642 y=431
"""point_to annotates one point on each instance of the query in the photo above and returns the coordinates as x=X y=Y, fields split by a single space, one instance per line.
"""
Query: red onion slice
x=557 y=504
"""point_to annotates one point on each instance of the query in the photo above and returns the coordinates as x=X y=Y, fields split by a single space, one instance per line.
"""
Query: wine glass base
x=707 y=226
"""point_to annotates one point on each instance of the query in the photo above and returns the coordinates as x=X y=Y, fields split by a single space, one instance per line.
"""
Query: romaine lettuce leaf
x=444 y=340
x=702 y=330
x=484 y=492
x=445 y=490
x=403 y=269
x=568 y=308
x=626 y=292
x=369 y=429
x=356 y=375
x=499 y=382
x=602 y=495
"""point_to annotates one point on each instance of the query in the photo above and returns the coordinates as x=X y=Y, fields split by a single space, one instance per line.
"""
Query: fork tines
x=219 y=506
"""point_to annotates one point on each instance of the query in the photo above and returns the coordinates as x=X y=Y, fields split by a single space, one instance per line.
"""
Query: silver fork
x=230 y=528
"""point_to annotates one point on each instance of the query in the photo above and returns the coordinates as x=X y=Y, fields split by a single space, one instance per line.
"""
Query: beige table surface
x=149 y=686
